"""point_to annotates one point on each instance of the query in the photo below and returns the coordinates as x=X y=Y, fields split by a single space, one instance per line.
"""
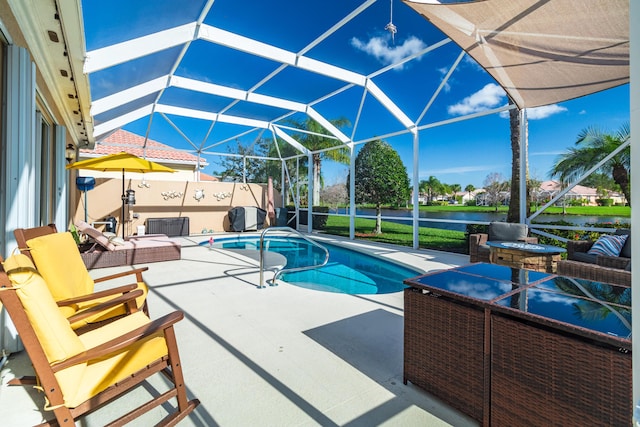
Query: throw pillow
x=609 y=245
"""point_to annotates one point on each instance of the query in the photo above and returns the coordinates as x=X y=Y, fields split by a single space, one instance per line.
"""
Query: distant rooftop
x=121 y=140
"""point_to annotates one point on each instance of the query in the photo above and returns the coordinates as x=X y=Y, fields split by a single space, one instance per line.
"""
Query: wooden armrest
x=101 y=294
x=136 y=271
x=126 y=298
x=121 y=342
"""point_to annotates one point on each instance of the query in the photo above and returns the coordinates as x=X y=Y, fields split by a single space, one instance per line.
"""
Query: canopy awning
x=540 y=51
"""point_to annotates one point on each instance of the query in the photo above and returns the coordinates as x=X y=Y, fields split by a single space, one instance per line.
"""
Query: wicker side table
x=550 y=378
x=443 y=350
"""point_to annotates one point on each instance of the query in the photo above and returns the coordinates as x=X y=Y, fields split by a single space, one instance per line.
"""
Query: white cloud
x=488 y=97
x=379 y=48
x=539 y=113
x=545 y=153
x=459 y=169
x=543 y=112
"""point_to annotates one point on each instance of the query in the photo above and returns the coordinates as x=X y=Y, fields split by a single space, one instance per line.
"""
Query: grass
x=622 y=211
x=399 y=234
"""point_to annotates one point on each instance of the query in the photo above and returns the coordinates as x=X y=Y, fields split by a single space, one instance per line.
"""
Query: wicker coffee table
x=530 y=256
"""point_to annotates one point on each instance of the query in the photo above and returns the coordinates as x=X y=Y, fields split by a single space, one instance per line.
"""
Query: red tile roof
x=122 y=140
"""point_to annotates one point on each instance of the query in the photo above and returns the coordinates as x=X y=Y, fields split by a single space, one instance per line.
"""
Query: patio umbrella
x=124 y=162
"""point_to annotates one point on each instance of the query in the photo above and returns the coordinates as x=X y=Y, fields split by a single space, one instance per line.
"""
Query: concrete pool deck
x=279 y=356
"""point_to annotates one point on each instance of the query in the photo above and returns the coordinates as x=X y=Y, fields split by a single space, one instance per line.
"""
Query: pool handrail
x=280 y=271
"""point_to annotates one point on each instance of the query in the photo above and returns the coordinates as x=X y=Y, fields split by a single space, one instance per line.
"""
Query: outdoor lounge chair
x=498 y=231
x=80 y=373
x=110 y=251
x=58 y=260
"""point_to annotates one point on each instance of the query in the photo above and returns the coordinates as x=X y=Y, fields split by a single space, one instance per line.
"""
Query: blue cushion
x=608 y=245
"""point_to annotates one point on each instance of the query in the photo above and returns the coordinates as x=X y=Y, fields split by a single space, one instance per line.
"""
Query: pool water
x=347 y=271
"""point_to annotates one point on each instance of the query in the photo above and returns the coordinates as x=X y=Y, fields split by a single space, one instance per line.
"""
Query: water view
x=404 y=217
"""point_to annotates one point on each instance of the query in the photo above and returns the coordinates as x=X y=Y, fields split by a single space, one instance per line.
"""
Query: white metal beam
x=128 y=95
x=327 y=125
x=118 y=122
x=295 y=144
x=118 y=53
x=388 y=104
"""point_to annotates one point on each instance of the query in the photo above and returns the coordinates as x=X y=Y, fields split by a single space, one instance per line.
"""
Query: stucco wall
x=161 y=199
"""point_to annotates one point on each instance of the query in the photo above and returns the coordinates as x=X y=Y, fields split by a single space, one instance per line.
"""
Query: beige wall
x=210 y=213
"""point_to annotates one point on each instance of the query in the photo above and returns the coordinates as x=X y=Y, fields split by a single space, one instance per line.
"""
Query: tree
x=335 y=195
x=432 y=187
x=380 y=178
x=242 y=168
x=469 y=189
x=593 y=145
x=455 y=189
x=494 y=186
x=513 y=214
x=316 y=141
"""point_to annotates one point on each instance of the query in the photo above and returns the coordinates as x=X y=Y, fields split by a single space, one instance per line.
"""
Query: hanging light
x=70 y=153
x=390 y=27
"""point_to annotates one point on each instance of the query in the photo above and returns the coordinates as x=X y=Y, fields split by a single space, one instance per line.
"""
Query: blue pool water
x=347 y=271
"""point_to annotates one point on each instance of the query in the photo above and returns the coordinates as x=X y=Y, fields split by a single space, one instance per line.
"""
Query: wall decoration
x=171 y=194
x=222 y=195
x=199 y=194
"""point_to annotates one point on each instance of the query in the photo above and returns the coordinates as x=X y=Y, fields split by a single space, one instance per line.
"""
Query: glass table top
x=594 y=306
x=592 y=314
x=484 y=282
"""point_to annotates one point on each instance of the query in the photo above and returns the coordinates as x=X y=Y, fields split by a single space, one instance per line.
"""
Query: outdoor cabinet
x=510 y=347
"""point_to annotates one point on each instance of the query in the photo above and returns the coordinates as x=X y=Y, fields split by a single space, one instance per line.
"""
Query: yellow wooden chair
x=80 y=373
x=57 y=259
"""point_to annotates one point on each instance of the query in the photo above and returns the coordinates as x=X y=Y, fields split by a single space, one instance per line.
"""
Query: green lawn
x=399 y=234
x=623 y=211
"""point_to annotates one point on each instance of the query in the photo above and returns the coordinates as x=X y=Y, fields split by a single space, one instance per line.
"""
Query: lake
x=476 y=217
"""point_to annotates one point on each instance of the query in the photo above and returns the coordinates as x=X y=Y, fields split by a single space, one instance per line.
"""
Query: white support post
x=416 y=189
x=310 y=193
x=352 y=194
x=634 y=95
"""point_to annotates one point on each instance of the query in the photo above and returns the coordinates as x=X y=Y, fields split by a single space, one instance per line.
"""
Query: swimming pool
x=348 y=271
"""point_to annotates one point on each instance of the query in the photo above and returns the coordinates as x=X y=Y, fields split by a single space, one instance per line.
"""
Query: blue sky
x=461 y=153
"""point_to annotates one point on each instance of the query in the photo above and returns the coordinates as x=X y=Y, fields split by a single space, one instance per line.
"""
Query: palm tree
x=315 y=141
x=455 y=189
x=592 y=146
x=470 y=188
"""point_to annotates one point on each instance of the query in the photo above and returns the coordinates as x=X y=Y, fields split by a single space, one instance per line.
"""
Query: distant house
x=549 y=189
x=188 y=166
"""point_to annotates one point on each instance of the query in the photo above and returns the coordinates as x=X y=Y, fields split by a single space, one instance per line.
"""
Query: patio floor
x=284 y=355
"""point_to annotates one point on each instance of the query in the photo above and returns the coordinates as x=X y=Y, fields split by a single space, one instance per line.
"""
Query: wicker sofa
x=600 y=268
x=498 y=231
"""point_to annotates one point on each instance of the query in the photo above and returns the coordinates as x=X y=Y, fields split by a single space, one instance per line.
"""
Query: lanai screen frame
x=191 y=31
